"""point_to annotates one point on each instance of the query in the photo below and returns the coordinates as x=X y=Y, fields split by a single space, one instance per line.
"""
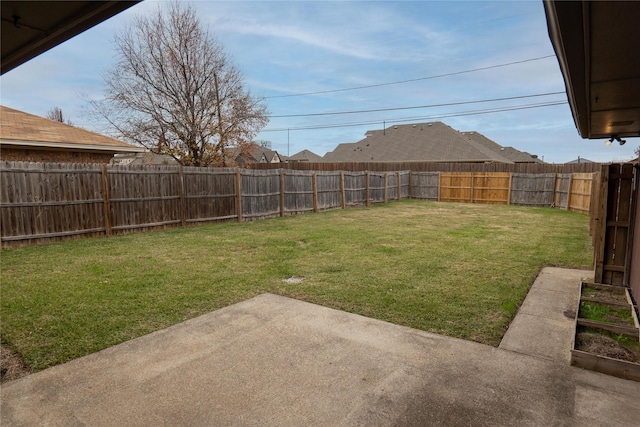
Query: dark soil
x=603 y=345
x=605 y=296
x=11 y=366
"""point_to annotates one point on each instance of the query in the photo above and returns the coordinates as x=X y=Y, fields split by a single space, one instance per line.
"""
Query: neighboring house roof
x=24 y=130
x=580 y=160
x=510 y=153
x=305 y=156
x=426 y=142
x=256 y=154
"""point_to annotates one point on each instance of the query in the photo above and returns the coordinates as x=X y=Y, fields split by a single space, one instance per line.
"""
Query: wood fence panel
x=491 y=188
x=533 y=189
x=563 y=182
x=355 y=188
x=456 y=187
x=41 y=203
x=260 y=193
x=143 y=198
x=581 y=185
x=329 y=192
x=209 y=194
x=392 y=186
x=298 y=192
x=425 y=185
x=615 y=217
x=405 y=184
x=634 y=250
x=376 y=187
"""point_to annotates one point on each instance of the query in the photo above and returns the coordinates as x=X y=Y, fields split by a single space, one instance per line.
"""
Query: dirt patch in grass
x=11 y=366
x=604 y=296
x=603 y=345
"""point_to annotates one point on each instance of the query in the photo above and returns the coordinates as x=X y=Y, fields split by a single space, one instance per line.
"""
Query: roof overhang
x=70 y=146
x=30 y=28
x=597 y=43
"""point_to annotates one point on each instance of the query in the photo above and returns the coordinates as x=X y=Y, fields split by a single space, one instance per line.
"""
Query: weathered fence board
x=48 y=202
x=355 y=188
x=563 y=185
x=533 y=190
x=328 y=190
x=425 y=185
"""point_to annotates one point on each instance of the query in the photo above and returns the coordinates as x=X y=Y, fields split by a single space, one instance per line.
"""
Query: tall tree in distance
x=175 y=91
x=56 y=115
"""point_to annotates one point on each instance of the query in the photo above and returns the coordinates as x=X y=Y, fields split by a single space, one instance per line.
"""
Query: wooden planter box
x=616 y=297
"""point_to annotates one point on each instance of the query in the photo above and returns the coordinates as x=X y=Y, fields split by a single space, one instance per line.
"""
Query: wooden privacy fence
x=565 y=191
x=42 y=202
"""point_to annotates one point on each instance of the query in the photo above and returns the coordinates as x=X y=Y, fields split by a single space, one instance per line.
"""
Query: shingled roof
x=510 y=153
x=426 y=142
x=21 y=129
x=305 y=156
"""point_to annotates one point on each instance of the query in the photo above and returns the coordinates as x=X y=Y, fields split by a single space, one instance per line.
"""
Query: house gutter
x=15 y=143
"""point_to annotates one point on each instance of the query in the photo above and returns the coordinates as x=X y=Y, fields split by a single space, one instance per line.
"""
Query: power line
x=417 y=107
x=406 y=119
x=320 y=92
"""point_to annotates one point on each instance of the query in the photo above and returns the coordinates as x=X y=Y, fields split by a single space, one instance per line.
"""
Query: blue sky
x=285 y=49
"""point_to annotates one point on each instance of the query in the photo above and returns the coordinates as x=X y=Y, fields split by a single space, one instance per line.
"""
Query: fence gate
x=614 y=216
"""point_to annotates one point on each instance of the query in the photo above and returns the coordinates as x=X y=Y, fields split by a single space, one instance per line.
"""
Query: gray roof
x=580 y=160
x=306 y=155
x=431 y=142
x=256 y=154
x=510 y=153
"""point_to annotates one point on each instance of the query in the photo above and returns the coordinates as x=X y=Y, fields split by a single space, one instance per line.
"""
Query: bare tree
x=175 y=91
x=55 y=114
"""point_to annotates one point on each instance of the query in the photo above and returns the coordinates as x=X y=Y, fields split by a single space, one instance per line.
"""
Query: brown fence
x=535 y=168
x=47 y=202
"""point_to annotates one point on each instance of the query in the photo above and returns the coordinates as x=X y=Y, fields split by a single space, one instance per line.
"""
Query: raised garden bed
x=607 y=334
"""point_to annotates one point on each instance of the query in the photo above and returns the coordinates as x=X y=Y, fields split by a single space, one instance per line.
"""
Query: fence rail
x=48 y=202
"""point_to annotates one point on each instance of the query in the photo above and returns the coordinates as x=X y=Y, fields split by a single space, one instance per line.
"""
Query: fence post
x=183 y=206
x=399 y=186
x=386 y=185
x=106 y=205
x=281 y=192
x=239 y=195
x=510 y=183
x=556 y=202
x=342 y=190
x=471 y=187
x=367 y=190
x=411 y=184
x=314 y=179
x=439 y=183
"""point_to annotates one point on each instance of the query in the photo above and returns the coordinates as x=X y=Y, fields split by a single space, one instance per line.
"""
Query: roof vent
x=395 y=127
x=414 y=125
x=429 y=124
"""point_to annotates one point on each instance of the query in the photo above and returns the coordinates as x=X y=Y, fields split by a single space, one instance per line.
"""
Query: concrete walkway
x=275 y=361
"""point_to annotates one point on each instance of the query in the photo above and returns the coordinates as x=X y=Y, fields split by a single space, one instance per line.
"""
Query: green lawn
x=455 y=269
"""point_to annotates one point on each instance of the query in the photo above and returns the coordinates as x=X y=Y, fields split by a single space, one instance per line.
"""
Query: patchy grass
x=456 y=269
x=603 y=313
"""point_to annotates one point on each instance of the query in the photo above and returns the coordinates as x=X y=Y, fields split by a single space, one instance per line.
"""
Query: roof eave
x=565 y=23
x=69 y=146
